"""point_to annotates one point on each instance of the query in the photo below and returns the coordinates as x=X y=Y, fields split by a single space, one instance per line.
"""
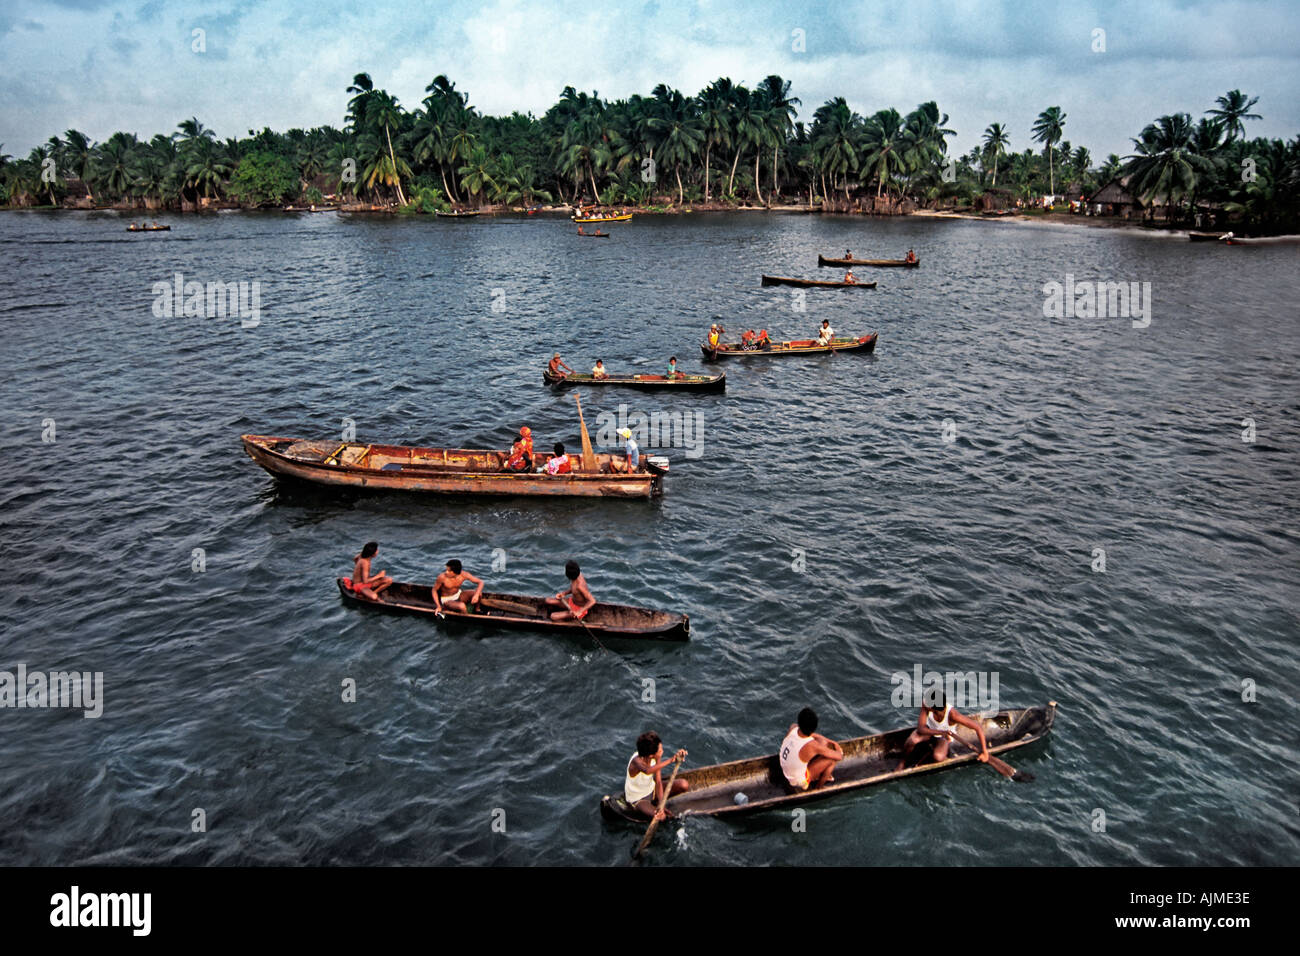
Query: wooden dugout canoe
x=816 y=283
x=874 y=263
x=456 y=215
x=1204 y=236
x=690 y=383
x=527 y=613
x=867 y=761
x=593 y=235
x=623 y=218
x=864 y=344
x=441 y=470
x=148 y=228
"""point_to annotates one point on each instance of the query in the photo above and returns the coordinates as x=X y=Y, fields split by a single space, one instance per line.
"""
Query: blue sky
x=105 y=65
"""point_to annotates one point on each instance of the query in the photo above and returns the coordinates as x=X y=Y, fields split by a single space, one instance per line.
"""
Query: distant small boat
x=593 y=235
x=863 y=343
x=134 y=228
x=875 y=263
x=697 y=383
x=457 y=215
x=782 y=280
x=623 y=218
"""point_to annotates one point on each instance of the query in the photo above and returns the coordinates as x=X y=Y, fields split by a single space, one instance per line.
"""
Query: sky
x=139 y=65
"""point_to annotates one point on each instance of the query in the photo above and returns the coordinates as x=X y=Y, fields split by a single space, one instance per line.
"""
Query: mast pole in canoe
x=588 y=457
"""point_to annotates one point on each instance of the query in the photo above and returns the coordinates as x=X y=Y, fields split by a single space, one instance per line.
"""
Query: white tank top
x=795 y=770
x=945 y=725
x=636 y=789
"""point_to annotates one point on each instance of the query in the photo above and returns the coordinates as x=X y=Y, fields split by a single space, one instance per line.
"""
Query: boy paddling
x=574 y=602
x=936 y=726
x=643 y=785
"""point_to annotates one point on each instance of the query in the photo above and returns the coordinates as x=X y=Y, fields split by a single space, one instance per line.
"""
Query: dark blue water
x=223 y=688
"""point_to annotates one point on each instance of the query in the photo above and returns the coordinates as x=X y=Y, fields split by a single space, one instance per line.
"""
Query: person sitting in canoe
x=363 y=582
x=807 y=758
x=521 y=452
x=557 y=363
x=672 y=372
x=825 y=335
x=911 y=256
x=581 y=231
x=559 y=463
x=715 y=335
x=631 y=454
x=747 y=340
x=574 y=602
x=598 y=370
x=762 y=341
x=447 y=590
x=643 y=787
x=847 y=254
x=935 y=728
x=850 y=278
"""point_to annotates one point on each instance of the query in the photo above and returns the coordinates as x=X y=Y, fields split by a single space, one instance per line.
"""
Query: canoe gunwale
x=692 y=383
x=869 y=263
x=863 y=343
x=814 y=283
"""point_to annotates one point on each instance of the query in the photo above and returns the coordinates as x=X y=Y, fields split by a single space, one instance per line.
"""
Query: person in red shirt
x=559 y=465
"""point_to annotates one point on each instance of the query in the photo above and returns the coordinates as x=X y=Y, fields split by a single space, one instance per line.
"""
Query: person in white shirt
x=807 y=758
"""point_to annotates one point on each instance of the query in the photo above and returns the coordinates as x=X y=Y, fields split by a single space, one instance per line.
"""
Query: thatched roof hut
x=1114 y=199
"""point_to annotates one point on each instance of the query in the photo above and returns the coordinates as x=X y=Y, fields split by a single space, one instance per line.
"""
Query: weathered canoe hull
x=451 y=478
x=864 y=345
x=456 y=215
x=816 y=283
x=872 y=263
x=603 y=620
x=867 y=761
x=150 y=229
x=690 y=383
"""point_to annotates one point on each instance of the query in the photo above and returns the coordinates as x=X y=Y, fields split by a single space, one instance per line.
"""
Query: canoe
x=593 y=235
x=527 y=613
x=877 y=263
x=148 y=228
x=443 y=470
x=1204 y=236
x=623 y=218
x=863 y=344
x=456 y=215
x=715 y=790
x=690 y=383
x=782 y=280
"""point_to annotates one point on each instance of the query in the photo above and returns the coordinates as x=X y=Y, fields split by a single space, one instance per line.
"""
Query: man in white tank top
x=807 y=758
x=938 y=725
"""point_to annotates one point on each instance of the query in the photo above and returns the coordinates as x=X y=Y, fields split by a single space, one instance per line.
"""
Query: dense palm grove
x=727 y=145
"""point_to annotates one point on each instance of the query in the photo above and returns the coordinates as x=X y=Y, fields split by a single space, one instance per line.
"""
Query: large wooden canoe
x=148 y=228
x=527 y=613
x=623 y=218
x=816 y=283
x=864 y=344
x=690 y=383
x=875 y=263
x=442 y=470
x=715 y=790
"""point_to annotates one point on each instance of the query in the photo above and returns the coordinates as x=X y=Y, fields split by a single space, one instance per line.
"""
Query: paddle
x=654 y=824
x=588 y=457
x=1001 y=766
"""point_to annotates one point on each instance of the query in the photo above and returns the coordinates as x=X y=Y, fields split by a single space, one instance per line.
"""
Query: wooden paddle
x=588 y=457
x=654 y=824
x=1001 y=766
x=522 y=609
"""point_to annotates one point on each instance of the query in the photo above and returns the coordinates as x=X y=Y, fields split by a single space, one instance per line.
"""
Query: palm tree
x=77 y=155
x=837 y=132
x=1048 y=129
x=715 y=111
x=476 y=175
x=780 y=115
x=1165 y=161
x=884 y=148
x=1234 y=106
x=680 y=132
x=383 y=111
x=362 y=86
x=996 y=141
x=208 y=168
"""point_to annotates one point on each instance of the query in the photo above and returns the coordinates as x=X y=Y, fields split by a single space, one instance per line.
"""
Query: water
x=223 y=688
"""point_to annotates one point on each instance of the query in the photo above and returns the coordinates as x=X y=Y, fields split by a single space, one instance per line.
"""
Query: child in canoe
x=643 y=785
x=363 y=582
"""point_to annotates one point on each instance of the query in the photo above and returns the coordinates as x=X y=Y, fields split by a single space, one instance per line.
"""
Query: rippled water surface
x=223 y=688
